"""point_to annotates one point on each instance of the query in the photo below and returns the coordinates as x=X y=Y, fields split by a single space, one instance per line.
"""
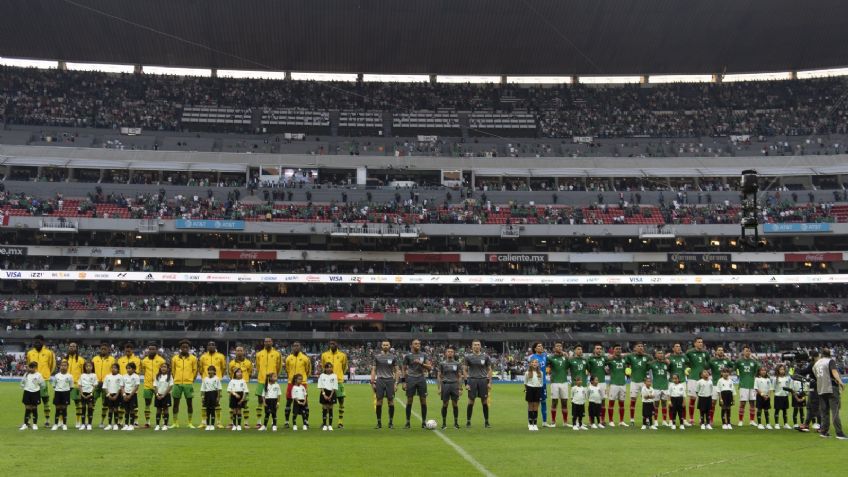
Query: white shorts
x=616 y=392
x=603 y=388
x=662 y=395
x=692 y=387
x=747 y=394
x=559 y=391
x=636 y=389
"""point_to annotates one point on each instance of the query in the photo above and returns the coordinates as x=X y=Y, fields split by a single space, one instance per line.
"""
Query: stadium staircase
x=463 y=124
x=334 y=123
x=387 y=123
x=256 y=119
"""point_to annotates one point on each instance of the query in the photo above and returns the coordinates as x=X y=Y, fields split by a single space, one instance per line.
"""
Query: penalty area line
x=456 y=447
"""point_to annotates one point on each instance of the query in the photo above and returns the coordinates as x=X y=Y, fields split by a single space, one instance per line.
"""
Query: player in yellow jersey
x=338 y=359
x=246 y=367
x=217 y=360
x=296 y=363
x=128 y=357
x=150 y=368
x=102 y=367
x=184 y=369
x=268 y=360
x=75 y=365
x=46 y=365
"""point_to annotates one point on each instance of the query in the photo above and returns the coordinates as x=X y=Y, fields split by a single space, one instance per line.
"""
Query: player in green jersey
x=718 y=362
x=746 y=370
x=578 y=366
x=617 y=365
x=638 y=362
x=698 y=358
x=558 y=370
x=598 y=369
x=677 y=362
x=661 y=376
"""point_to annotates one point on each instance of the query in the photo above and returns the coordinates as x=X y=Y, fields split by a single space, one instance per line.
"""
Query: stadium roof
x=462 y=37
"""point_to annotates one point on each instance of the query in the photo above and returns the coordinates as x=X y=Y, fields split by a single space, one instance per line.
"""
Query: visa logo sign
x=335 y=278
x=13 y=274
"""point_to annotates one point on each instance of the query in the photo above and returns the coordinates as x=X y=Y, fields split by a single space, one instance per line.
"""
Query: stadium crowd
x=440 y=306
x=772 y=108
x=401 y=211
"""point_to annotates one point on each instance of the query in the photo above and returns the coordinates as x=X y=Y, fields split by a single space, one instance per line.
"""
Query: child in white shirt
x=596 y=403
x=130 y=396
x=677 y=393
x=578 y=404
x=763 y=387
x=704 y=390
x=88 y=383
x=649 y=395
x=31 y=383
x=162 y=385
x=725 y=395
x=272 y=401
x=113 y=385
x=62 y=384
x=328 y=385
x=210 y=389
x=300 y=408
x=237 y=389
x=533 y=393
x=782 y=385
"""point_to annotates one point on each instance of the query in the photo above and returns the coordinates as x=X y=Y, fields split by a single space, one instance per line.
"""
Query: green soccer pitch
x=507 y=449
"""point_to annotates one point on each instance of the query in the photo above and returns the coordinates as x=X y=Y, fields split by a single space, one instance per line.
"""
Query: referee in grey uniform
x=477 y=367
x=449 y=374
x=416 y=367
x=384 y=374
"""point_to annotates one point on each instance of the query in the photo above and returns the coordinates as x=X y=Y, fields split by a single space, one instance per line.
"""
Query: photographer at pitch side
x=829 y=386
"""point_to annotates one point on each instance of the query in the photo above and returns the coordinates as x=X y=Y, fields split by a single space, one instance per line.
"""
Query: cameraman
x=829 y=386
x=806 y=376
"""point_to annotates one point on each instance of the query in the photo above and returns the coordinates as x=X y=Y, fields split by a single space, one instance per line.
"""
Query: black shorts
x=31 y=398
x=235 y=402
x=131 y=404
x=450 y=391
x=532 y=394
x=327 y=399
x=416 y=386
x=763 y=402
x=726 y=399
x=271 y=403
x=385 y=388
x=479 y=388
x=781 y=403
x=112 y=404
x=61 y=398
x=210 y=399
x=163 y=403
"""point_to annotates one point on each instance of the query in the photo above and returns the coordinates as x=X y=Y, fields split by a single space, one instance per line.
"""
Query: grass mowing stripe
x=459 y=450
x=722 y=461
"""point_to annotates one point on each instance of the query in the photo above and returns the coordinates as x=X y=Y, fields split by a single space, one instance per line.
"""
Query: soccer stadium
x=420 y=237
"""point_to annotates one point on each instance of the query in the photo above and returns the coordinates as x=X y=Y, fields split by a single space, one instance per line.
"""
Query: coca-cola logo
x=814 y=257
